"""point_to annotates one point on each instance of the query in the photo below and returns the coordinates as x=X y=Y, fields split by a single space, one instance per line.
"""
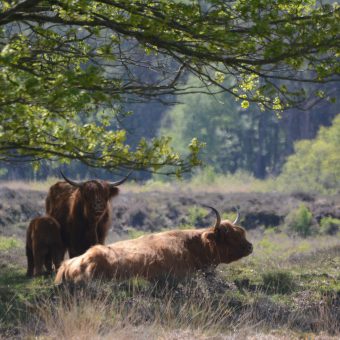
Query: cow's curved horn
x=218 y=217
x=74 y=183
x=237 y=216
x=115 y=184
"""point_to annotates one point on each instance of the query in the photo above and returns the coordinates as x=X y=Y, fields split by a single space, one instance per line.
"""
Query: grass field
x=289 y=288
x=239 y=182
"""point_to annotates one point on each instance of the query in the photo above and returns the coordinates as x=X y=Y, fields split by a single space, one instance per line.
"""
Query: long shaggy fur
x=170 y=254
x=43 y=245
x=83 y=213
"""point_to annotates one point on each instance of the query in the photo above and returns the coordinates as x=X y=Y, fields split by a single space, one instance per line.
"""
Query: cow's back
x=58 y=206
x=45 y=230
x=151 y=257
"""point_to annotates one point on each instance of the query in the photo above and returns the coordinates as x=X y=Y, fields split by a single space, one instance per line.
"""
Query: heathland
x=288 y=288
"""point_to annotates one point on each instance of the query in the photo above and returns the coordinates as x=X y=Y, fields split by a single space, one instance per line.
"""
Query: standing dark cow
x=43 y=245
x=83 y=210
x=169 y=254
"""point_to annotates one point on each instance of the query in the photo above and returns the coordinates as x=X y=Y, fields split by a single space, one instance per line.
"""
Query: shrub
x=278 y=281
x=196 y=216
x=135 y=233
x=300 y=221
x=329 y=225
x=7 y=243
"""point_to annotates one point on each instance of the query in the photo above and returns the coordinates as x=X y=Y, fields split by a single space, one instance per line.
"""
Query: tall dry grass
x=203 y=308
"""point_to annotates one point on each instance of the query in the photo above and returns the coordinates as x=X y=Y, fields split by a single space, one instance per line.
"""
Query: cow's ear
x=220 y=233
x=214 y=235
x=211 y=236
x=114 y=191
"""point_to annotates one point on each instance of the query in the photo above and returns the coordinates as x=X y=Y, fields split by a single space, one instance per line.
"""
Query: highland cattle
x=83 y=210
x=170 y=254
x=43 y=245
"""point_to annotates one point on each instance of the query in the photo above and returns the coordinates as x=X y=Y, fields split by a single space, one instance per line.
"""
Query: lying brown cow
x=43 y=245
x=173 y=254
x=83 y=210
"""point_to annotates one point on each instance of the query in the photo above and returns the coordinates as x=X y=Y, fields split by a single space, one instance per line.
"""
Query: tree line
x=237 y=138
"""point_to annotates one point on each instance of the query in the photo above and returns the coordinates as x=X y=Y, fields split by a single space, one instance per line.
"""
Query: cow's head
x=95 y=195
x=229 y=239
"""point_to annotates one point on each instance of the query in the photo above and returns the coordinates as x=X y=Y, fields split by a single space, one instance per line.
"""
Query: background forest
x=94 y=88
x=237 y=139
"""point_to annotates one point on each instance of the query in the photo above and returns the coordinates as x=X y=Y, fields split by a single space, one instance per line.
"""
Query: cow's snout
x=247 y=248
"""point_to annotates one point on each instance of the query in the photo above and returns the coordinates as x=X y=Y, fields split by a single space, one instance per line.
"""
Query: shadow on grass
x=17 y=292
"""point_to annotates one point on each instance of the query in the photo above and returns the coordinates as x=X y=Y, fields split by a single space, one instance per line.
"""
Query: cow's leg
x=39 y=259
x=58 y=255
x=30 y=262
x=48 y=262
x=102 y=228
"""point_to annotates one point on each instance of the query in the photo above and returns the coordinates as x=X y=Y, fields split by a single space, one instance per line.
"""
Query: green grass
x=207 y=182
x=279 y=281
x=7 y=243
x=329 y=225
x=30 y=185
x=196 y=214
x=134 y=233
x=289 y=285
x=284 y=265
x=18 y=296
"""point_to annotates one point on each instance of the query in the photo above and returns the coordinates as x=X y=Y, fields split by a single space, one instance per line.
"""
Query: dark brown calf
x=43 y=245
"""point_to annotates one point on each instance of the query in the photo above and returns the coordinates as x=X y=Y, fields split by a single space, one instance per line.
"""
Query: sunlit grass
x=219 y=183
x=311 y=263
x=239 y=182
x=30 y=185
x=287 y=286
x=134 y=233
x=203 y=306
x=7 y=243
x=205 y=180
